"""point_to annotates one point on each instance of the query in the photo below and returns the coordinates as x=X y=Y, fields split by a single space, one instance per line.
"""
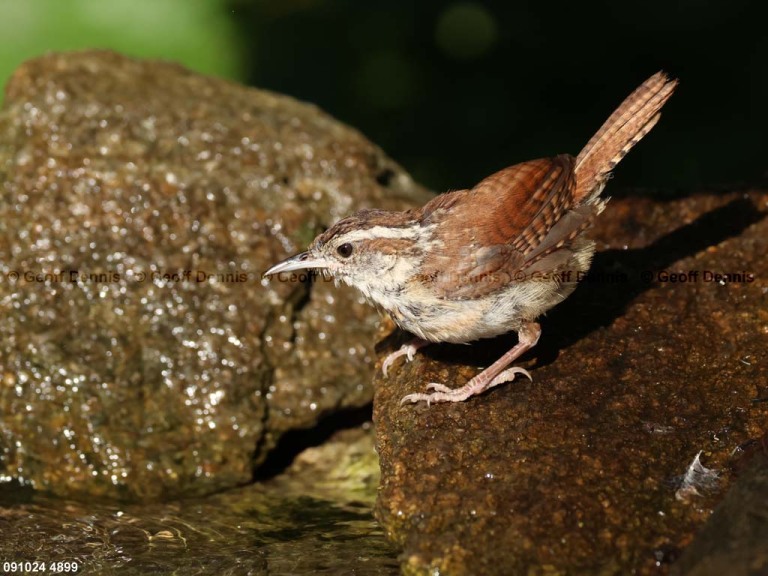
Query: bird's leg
x=497 y=373
x=407 y=350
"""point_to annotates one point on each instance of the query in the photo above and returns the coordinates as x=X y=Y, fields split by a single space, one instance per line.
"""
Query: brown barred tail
x=624 y=128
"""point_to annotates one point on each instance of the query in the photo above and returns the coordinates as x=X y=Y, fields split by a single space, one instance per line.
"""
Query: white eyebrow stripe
x=408 y=233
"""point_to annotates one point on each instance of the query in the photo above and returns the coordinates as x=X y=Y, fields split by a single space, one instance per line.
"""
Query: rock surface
x=580 y=471
x=734 y=541
x=141 y=354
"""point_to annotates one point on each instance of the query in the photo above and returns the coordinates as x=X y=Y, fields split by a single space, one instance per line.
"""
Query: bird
x=478 y=263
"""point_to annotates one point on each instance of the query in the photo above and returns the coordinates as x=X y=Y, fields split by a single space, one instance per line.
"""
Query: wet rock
x=734 y=540
x=141 y=353
x=636 y=373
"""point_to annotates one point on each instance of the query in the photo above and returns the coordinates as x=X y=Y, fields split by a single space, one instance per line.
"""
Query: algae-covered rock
x=315 y=518
x=141 y=353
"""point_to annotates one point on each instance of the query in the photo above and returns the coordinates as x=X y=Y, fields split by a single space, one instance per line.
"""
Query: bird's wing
x=493 y=234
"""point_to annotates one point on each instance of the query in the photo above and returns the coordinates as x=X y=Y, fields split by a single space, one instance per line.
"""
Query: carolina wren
x=478 y=263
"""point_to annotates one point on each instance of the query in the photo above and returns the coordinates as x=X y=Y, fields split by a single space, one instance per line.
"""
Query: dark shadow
x=598 y=302
x=15 y=493
x=292 y=443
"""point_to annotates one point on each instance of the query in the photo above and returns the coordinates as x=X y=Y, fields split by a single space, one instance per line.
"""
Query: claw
x=415 y=398
x=439 y=388
x=408 y=350
x=509 y=375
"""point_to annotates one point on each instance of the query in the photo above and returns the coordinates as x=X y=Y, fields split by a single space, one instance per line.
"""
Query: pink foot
x=408 y=350
x=497 y=373
x=442 y=393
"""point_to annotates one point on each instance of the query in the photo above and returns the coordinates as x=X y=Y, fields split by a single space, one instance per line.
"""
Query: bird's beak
x=298 y=262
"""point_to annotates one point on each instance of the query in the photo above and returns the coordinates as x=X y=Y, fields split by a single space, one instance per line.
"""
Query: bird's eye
x=345 y=250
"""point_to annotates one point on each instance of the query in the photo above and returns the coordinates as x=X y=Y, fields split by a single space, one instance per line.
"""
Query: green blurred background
x=454 y=90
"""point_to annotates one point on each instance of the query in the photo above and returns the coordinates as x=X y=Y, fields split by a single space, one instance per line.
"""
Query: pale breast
x=460 y=321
